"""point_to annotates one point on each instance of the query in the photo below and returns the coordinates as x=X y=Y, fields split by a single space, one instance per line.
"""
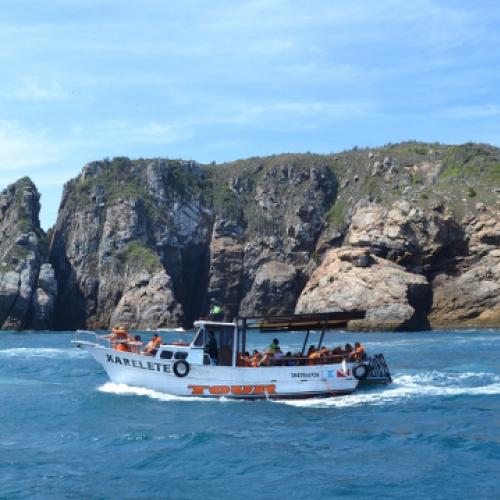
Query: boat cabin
x=231 y=338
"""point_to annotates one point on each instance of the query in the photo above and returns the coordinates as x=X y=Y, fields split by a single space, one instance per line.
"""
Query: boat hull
x=220 y=381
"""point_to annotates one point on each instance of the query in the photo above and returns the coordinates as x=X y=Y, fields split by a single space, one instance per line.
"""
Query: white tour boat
x=185 y=369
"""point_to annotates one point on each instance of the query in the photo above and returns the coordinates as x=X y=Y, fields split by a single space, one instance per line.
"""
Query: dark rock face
x=470 y=296
x=27 y=285
x=150 y=243
x=236 y=236
x=120 y=221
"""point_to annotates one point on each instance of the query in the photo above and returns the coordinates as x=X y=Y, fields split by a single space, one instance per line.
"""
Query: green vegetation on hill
x=138 y=256
x=421 y=173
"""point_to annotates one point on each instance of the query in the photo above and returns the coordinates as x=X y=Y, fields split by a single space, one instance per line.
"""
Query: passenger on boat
x=277 y=357
x=256 y=358
x=247 y=360
x=216 y=312
x=312 y=356
x=359 y=352
x=135 y=345
x=122 y=347
x=244 y=360
x=275 y=345
x=118 y=333
x=211 y=349
x=349 y=351
x=153 y=345
x=290 y=360
x=337 y=350
x=324 y=355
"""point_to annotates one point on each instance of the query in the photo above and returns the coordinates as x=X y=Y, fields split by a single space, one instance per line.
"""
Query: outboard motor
x=374 y=371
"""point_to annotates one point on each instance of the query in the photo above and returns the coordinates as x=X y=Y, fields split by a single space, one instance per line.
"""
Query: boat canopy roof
x=301 y=322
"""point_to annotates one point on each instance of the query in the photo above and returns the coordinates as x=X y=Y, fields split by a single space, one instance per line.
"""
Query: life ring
x=360 y=372
x=184 y=370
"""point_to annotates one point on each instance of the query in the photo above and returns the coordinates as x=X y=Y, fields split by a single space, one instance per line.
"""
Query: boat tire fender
x=360 y=372
x=181 y=368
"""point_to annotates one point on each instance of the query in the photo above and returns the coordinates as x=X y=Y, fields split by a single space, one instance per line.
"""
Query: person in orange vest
x=244 y=360
x=153 y=345
x=312 y=356
x=256 y=358
x=122 y=347
x=324 y=355
x=359 y=351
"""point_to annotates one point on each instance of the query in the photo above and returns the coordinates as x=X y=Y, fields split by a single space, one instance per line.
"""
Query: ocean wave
x=424 y=340
x=42 y=352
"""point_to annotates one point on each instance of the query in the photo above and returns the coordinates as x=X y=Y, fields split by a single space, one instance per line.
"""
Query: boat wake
x=128 y=390
x=407 y=386
x=42 y=352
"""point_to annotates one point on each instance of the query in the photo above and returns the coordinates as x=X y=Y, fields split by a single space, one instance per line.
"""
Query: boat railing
x=92 y=337
x=303 y=360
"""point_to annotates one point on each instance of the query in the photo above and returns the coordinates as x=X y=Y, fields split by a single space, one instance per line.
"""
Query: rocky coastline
x=410 y=232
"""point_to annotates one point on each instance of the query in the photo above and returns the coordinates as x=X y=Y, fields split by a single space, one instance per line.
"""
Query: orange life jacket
x=122 y=348
x=313 y=358
x=255 y=360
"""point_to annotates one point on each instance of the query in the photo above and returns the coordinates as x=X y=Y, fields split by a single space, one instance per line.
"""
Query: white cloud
x=471 y=111
x=33 y=90
x=247 y=112
x=21 y=148
x=124 y=131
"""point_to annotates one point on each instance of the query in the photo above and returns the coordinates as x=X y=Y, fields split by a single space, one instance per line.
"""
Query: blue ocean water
x=66 y=432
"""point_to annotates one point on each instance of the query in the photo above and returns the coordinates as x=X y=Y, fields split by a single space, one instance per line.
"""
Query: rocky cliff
x=408 y=232
x=150 y=243
x=27 y=283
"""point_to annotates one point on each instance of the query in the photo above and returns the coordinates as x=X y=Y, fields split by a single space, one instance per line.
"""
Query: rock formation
x=241 y=238
x=409 y=232
x=27 y=284
x=121 y=221
x=354 y=279
x=470 y=294
x=416 y=238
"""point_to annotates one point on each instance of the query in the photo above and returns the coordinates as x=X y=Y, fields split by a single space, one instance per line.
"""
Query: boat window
x=224 y=338
x=166 y=355
x=198 y=341
x=180 y=355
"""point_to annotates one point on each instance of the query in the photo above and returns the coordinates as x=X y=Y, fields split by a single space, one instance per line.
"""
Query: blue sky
x=220 y=80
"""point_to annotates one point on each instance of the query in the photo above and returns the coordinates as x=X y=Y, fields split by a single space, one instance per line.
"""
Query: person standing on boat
x=275 y=346
x=216 y=312
x=212 y=349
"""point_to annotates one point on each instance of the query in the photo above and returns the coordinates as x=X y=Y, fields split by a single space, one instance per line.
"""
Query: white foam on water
x=42 y=352
x=129 y=390
x=406 y=387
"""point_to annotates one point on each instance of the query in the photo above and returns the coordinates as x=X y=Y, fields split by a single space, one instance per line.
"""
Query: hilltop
x=408 y=231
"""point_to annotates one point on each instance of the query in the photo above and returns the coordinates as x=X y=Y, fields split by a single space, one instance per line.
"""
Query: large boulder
x=352 y=278
x=406 y=234
x=148 y=302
